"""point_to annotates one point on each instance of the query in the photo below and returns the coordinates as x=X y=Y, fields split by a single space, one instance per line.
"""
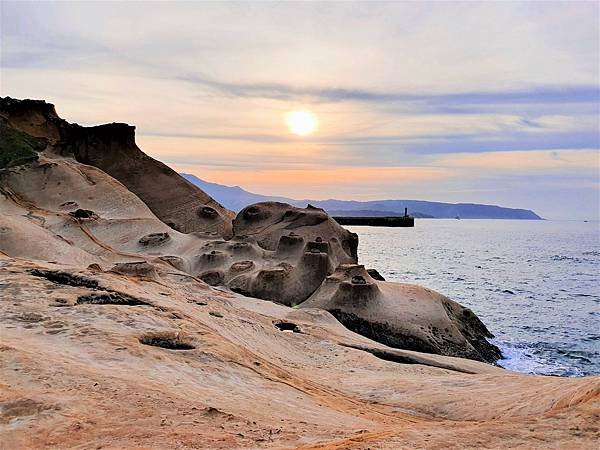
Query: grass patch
x=17 y=147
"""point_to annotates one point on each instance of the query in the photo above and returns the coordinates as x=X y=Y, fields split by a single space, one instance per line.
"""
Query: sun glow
x=301 y=123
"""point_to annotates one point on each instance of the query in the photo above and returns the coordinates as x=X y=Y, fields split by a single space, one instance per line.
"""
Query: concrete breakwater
x=395 y=221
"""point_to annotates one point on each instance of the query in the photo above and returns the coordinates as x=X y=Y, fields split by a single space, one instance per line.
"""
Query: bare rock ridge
x=271 y=250
x=112 y=149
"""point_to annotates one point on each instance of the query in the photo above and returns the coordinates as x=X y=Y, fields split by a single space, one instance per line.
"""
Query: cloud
x=280 y=91
x=432 y=91
x=586 y=161
x=321 y=183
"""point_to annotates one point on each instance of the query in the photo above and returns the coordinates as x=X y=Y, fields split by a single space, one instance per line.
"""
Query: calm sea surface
x=535 y=284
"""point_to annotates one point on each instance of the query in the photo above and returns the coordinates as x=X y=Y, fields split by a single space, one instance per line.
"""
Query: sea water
x=535 y=284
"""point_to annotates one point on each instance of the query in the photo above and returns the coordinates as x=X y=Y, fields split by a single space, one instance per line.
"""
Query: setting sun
x=301 y=123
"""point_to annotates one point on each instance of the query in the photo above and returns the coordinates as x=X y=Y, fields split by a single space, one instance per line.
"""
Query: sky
x=484 y=102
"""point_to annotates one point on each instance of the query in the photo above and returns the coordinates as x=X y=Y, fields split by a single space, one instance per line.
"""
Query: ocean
x=535 y=284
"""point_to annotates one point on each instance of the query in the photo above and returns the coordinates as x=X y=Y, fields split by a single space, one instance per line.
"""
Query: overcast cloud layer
x=472 y=102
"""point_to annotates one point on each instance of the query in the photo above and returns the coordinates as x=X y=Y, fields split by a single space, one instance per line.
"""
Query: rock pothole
x=110 y=298
x=358 y=279
x=168 y=341
x=287 y=327
x=66 y=278
x=207 y=212
x=84 y=214
x=154 y=239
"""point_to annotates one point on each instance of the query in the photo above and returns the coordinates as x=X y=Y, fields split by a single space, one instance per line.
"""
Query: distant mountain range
x=236 y=198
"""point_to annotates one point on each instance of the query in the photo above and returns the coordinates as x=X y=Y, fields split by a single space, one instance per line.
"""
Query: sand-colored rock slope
x=111 y=335
x=112 y=149
x=98 y=359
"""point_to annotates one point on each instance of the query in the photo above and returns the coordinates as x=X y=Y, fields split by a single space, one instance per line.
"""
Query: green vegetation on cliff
x=17 y=147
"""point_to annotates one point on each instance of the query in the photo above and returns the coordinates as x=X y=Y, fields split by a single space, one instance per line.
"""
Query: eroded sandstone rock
x=112 y=148
x=402 y=315
x=273 y=251
x=267 y=222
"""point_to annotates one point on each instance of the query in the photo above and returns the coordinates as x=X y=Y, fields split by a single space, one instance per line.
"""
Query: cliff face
x=176 y=201
x=34 y=117
x=112 y=148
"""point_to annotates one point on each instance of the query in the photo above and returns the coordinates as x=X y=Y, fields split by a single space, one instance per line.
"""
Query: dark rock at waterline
x=375 y=274
x=403 y=316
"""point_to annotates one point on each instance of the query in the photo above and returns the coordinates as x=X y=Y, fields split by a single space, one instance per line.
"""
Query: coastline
x=144 y=317
x=522 y=278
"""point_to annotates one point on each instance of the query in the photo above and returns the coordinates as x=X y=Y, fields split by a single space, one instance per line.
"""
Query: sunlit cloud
x=546 y=161
x=322 y=183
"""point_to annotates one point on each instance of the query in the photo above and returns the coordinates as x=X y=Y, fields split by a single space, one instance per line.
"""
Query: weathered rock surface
x=96 y=359
x=402 y=315
x=278 y=253
x=268 y=222
x=112 y=148
x=111 y=335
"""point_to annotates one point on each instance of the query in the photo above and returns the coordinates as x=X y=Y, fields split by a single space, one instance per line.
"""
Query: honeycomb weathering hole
x=170 y=342
x=69 y=279
x=207 y=212
x=358 y=279
x=287 y=327
x=110 y=298
x=154 y=239
x=86 y=214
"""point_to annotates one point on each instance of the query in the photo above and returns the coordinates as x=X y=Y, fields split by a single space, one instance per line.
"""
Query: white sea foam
x=521 y=358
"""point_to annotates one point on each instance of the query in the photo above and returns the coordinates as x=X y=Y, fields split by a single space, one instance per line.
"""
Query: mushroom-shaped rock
x=177 y=262
x=269 y=284
x=212 y=259
x=136 y=268
x=305 y=278
x=154 y=239
x=402 y=315
x=221 y=255
x=244 y=249
x=289 y=246
x=267 y=222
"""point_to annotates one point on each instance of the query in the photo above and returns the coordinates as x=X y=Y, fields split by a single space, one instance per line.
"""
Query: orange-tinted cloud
x=321 y=183
x=548 y=161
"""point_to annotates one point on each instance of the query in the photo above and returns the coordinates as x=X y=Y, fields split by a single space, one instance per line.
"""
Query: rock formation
x=267 y=222
x=139 y=290
x=112 y=148
x=402 y=315
x=92 y=189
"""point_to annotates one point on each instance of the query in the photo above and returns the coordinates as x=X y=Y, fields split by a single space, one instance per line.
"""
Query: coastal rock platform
x=136 y=318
